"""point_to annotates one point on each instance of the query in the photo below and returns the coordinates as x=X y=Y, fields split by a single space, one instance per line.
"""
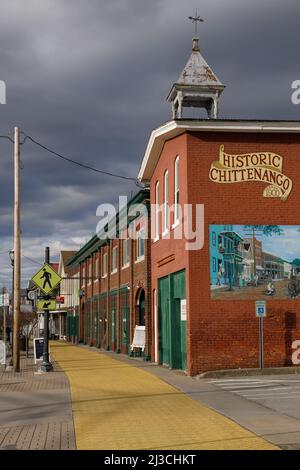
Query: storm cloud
x=89 y=79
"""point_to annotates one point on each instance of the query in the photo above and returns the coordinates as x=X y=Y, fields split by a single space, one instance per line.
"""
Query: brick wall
x=224 y=334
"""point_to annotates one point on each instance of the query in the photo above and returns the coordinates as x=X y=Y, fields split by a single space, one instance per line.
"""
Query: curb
x=217 y=374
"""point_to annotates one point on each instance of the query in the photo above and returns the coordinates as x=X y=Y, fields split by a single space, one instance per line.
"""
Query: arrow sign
x=46 y=305
x=46 y=279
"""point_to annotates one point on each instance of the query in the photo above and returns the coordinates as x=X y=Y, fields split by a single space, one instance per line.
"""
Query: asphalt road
x=279 y=393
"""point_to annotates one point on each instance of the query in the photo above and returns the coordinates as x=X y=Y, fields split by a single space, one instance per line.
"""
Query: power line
x=70 y=160
x=32 y=260
x=6 y=137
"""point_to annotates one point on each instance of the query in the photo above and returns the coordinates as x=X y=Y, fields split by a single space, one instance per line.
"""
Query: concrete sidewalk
x=123 y=404
x=35 y=410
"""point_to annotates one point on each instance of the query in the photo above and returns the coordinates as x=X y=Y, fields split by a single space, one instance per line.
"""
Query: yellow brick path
x=119 y=406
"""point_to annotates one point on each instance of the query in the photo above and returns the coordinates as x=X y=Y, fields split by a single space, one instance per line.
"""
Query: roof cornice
x=175 y=128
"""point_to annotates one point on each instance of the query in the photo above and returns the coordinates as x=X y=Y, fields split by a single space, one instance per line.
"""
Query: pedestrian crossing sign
x=46 y=279
x=46 y=305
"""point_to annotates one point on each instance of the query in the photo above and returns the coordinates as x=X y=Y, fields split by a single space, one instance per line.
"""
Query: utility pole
x=46 y=365
x=17 y=252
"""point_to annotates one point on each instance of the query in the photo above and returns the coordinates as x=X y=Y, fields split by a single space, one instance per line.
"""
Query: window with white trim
x=176 y=190
x=166 y=202
x=104 y=265
x=126 y=253
x=140 y=244
x=156 y=233
x=89 y=271
x=114 y=260
x=96 y=269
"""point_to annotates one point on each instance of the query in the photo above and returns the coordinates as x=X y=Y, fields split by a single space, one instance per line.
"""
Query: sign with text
x=183 y=309
x=265 y=167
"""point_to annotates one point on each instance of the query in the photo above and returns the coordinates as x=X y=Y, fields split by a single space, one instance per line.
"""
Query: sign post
x=261 y=313
x=47 y=279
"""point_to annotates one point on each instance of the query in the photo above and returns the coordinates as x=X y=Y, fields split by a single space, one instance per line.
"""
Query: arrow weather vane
x=195 y=19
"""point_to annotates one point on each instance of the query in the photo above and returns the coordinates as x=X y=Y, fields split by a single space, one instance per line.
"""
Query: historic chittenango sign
x=261 y=166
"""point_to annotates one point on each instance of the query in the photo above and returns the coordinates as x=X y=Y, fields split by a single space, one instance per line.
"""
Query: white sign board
x=183 y=309
x=4 y=300
x=139 y=340
x=2 y=352
x=261 y=308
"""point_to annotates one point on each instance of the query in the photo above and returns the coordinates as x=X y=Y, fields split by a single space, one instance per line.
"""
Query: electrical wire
x=32 y=260
x=6 y=137
x=70 y=160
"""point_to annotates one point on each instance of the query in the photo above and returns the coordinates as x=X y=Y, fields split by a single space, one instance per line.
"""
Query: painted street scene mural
x=250 y=262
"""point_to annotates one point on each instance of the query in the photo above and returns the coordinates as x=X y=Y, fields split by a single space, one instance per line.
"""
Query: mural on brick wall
x=250 y=262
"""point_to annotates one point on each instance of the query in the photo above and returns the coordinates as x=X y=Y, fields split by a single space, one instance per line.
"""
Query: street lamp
x=11 y=256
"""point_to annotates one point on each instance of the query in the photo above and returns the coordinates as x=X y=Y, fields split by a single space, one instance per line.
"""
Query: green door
x=171 y=321
x=164 y=321
x=87 y=323
x=95 y=321
x=125 y=325
x=103 y=321
x=113 y=321
x=179 y=321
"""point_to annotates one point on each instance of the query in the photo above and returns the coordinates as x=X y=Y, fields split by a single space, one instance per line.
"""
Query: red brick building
x=115 y=281
x=188 y=161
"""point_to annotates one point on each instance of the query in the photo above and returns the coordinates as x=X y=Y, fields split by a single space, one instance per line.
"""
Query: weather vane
x=195 y=19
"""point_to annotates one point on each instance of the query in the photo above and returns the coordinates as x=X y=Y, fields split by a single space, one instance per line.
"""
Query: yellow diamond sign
x=46 y=279
x=46 y=305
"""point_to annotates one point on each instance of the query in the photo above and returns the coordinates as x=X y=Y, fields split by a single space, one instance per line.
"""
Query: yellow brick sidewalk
x=119 y=406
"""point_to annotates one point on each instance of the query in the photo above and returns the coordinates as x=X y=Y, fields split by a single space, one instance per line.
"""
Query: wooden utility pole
x=17 y=252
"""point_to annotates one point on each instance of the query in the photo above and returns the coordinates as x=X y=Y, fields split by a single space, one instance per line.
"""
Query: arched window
x=140 y=305
x=156 y=211
x=166 y=202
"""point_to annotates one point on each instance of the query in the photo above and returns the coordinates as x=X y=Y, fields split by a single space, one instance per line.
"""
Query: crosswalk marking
x=260 y=389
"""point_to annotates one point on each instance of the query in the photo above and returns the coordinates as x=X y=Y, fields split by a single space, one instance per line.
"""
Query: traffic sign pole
x=261 y=342
x=46 y=365
x=261 y=313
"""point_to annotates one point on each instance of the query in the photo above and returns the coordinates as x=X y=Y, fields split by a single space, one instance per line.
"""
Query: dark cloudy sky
x=89 y=78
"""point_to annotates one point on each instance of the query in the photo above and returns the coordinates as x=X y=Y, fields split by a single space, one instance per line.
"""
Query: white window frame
x=114 y=259
x=104 y=265
x=139 y=237
x=126 y=253
x=156 y=215
x=166 y=204
x=96 y=270
x=176 y=191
